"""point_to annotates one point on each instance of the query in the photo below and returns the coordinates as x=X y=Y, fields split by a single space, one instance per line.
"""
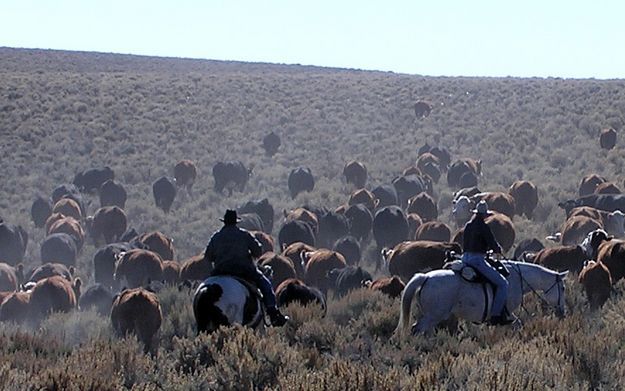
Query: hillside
x=64 y=112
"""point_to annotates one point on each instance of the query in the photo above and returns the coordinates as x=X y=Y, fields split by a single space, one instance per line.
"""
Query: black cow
x=59 y=247
x=13 y=242
x=332 y=226
x=40 y=211
x=607 y=202
x=271 y=143
x=527 y=245
x=300 y=180
x=408 y=186
x=113 y=194
x=360 y=221
x=262 y=208
x=98 y=297
x=390 y=227
x=350 y=249
x=230 y=175
x=91 y=180
x=164 y=190
x=104 y=261
x=387 y=195
x=251 y=222
x=296 y=231
x=348 y=279
x=70 y=191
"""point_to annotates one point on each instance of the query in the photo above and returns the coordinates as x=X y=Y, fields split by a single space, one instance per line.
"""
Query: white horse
x=442 y=293
x=226 y=300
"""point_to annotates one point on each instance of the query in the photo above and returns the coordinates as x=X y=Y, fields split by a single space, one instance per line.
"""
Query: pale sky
x=559 y=38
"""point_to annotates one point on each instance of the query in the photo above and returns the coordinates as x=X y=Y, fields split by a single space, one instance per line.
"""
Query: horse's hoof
x=413 y=329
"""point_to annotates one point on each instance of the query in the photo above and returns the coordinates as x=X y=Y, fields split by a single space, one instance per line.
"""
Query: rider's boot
x=276 y=318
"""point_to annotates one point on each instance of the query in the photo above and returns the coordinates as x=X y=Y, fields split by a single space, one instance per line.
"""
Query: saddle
x=251 y=287
x=470 y=274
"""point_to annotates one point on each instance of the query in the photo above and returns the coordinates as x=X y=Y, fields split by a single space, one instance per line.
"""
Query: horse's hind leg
x=424 y=325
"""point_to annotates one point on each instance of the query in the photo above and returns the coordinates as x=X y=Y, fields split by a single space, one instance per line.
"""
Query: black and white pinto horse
x=224 y=301
x=442 y=293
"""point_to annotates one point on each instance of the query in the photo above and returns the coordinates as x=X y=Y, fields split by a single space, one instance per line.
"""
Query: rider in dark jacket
x=478 y=240
x=232 y=251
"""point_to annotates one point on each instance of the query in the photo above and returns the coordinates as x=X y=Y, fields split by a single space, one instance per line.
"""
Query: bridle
x=558 y=282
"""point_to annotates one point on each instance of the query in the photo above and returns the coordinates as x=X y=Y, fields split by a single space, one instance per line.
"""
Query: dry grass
x=64 y=112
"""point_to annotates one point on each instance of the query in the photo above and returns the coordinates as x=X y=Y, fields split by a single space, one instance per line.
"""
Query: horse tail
x=415 y=284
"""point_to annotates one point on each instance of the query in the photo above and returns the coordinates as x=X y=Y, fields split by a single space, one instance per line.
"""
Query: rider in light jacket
x=232 y=251
x=478 y=239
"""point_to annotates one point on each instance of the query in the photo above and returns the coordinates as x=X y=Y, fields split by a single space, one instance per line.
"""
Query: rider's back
x=231 y=249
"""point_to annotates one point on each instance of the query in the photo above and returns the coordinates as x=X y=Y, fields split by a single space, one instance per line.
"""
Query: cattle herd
x=317 y=251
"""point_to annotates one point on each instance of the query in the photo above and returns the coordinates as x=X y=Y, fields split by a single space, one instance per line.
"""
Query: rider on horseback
x=478 y=239
x=232 y=251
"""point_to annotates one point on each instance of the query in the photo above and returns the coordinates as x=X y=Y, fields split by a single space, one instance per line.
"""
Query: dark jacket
x=232 y=250
x=478 y=237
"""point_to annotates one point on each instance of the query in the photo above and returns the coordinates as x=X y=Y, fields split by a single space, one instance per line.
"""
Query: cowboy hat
x=482 y=208
x=230 y=217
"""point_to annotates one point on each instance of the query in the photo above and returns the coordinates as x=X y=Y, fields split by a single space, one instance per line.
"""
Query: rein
x=541 y=297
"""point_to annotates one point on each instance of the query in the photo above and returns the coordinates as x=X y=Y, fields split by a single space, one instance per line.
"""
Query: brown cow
x=53 y=294
x=71 y=226
x=424 y=205
x=294 y=290
x=304 y=215
x=11 y=277
x=365 y=197
x=408 y=258
x=281 y=266
x=159 y=243
x=414 y=222
x=265 y=240
x=597 y=282
x=355 y=173
x=294 y=253
x=426 y=158
x=607 y=188
x=15 y=307
x=462 y=167
x=52 y=269
x=525 y=195
x=68 y=207
x=185 y=173
x=318 y=264
x=561 y=258
x=138 y=311
x=575 y=229
x=589 y=183
x=434 y=231
x=391 y=286
x=53 y=218
x=171 y=272
x=607 y=138
x=497 y=201
x=137 y=267
x=195 y=268
x=611 y=253
x=109 y=222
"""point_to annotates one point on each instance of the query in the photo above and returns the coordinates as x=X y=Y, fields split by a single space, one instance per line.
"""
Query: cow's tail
x=414 y=285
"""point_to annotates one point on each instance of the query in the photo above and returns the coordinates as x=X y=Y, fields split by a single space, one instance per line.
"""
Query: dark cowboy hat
x=482 y=208
x=230 y=217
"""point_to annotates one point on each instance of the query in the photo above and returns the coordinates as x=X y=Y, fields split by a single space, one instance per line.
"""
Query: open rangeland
x=62 y=113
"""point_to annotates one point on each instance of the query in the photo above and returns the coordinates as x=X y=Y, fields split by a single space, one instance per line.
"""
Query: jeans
x=478 y=262
x=265 y=287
